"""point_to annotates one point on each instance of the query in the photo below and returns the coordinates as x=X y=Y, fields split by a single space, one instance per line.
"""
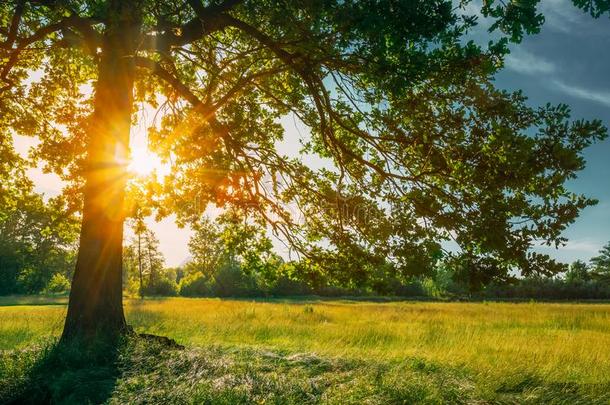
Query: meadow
x=348 y=351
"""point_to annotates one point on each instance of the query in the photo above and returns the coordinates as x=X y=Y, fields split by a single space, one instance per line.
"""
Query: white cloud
x=602 y=97
x=524 y=62
x=560 y=15
x=583 y=249
x=585 y=246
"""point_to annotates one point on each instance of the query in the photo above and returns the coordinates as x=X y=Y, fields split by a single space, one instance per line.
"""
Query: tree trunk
x=150 y=261
x=140 y=264
x=96 y=306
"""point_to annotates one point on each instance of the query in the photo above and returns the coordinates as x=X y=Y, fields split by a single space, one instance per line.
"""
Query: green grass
x=330 y=352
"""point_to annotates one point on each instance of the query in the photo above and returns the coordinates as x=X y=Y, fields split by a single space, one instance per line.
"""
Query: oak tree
x=418 y=145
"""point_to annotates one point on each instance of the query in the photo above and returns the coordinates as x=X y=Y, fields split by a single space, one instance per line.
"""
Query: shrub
x=411 y=289
x=231 y=281
x=59 y=284
x=162 y=286
x=549 y=289
x=286 y=287
x=194 y=285
x=31 y=280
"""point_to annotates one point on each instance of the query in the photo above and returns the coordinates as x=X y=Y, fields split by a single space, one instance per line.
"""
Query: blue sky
x=568 y=62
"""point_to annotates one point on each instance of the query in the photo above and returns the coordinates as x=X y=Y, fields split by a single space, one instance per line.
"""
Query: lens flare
x=144 y=163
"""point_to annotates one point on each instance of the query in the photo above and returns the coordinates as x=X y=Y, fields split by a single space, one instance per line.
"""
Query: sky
x=568 y=62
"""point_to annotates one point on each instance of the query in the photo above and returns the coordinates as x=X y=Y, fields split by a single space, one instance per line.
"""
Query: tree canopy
x=419 y=147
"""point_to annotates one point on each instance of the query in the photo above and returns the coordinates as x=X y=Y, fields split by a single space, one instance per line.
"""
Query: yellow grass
x=555 y=342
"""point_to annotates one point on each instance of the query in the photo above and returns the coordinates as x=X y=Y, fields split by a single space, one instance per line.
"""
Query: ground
x=240 y=351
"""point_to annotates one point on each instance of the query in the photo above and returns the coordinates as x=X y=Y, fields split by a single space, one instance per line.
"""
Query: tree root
x=163 y=340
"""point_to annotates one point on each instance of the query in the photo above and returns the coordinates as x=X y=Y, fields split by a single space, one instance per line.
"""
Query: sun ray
x=144 y=163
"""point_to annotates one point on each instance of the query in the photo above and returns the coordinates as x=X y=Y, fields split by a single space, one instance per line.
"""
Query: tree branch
x=205 y=108
x=208 y=20
x=12 y=32
x=81 y=24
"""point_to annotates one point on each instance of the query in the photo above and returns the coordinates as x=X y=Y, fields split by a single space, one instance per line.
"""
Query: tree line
x=38 y=238
x=234 y=257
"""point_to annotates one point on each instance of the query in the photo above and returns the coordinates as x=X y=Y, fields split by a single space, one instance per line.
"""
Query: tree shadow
x=64 y=373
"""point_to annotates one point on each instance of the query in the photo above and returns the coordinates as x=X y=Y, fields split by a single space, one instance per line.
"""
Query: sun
x=144 y=163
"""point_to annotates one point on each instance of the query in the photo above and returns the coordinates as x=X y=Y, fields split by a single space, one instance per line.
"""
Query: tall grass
x=557 y=343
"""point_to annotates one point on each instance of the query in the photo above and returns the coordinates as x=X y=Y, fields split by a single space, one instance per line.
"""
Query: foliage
x=195 y=285
x=152 y=257
x=578 y=272
x=232 y=240
x=420 y=146
x=161 y=286
x=287 y=287
x=576 y=284
x=230 y=257
x=38 y=239
x=206 y=246
x=231 y=281
x=143 y=264
x=601 y=264
x=552 y=289
x=59 y=284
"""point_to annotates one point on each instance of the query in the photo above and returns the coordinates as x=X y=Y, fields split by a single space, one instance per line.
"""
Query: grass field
x=345 y=351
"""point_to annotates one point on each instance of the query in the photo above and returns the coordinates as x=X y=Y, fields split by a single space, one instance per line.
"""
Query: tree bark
x=96 y=307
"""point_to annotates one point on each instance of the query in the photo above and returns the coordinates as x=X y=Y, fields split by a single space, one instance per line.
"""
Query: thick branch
x=156 y=68
x=213 y=9
x=12 y=33
x=315 y=85
x=208 y=20
x=263 y=38
x=204 y=108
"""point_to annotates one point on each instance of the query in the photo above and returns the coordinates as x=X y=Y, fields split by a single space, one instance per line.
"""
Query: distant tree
x=601 y=264
x=131 y=273
x=14 y=185
x=142 y=258
x=246 y=244
x=38 y=239
x=578 y=272
x=152 y=256
x=230 y=246
x=206 y=247
x=133 y=270
x=194 y=284
x=58 y=284
x=421 y=146
x=174 y=273
x=139 y=229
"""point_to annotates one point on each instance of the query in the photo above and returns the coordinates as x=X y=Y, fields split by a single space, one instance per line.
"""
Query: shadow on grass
x=149 y=370
x=60 y=373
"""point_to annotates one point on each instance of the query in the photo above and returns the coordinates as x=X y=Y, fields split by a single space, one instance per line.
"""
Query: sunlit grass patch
x=502 y=349
x=145 y=372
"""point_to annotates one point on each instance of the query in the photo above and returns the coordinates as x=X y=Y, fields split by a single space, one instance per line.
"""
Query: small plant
x=59 y=284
